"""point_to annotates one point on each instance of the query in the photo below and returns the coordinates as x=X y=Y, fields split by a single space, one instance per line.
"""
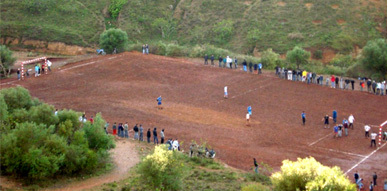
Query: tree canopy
x=298 y=56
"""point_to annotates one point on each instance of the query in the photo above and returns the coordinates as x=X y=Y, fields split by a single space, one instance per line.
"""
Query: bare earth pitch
x=124 y=87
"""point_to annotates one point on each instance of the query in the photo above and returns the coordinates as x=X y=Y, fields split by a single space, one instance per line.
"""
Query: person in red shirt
x=332 y=81
x=91 y=119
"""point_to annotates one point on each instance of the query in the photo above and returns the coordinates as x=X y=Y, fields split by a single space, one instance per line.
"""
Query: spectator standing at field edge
x=256 y=165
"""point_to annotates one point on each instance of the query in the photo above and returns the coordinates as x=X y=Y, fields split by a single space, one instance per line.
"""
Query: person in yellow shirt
x=304 y=74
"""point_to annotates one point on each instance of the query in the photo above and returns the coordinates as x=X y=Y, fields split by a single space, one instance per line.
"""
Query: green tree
x=374 y=57
x=308 y=174
x=113 y=38
x=298 y=56
x=3 y=110
x=269 y=59
x=223 y=31
x=6 y=61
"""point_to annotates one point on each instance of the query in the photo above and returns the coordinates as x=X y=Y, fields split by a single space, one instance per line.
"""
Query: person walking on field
x=260 y=67
x=351 y=121
x=212 y=60
x=335 y=116
x=226 y=92
x=373 y=139
x=159 y=100
x=136 y=131
x=326 y=119
x=367 y=128
x=335 y=131
x=143 y=48
x=256 y=166
x=224 y=61
x=147 y=49
x=247 y=117
x=303 y=118
x=206 y=57
x=149 y=135
x=356 y=177
x=155 y=133
x=345 y=124
x=374 y=179
x=235 y=63
x=339 y=130
x=250 y=66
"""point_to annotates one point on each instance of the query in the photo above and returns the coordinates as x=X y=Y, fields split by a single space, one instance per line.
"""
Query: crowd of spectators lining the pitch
x=378 y=88
x=365 y=84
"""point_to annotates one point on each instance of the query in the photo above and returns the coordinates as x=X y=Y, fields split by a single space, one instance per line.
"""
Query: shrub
x=3 y=110
x=343 y=61
x=254 y=187
x=6 y=61
x=162 y=170
x=38 y=6
x=175 y=50
x=16 y=98
x=308 y=174
x=159 y=48
x=334 y=70
x=43 y=114
x=318 y=54
x=113 y=38
x=269 y=59
x=343 y=43
x=223 y=31
x=96 y=136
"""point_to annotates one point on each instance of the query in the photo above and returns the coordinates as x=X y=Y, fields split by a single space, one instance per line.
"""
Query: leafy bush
x=96 y=136
x=17 y=98
x=335 y=70
x=113 y=38
x=318 y=54
x=254 y=187
x=115 y=7
x=6 y=61
x=175 y=50
x=308 y=174
x=343 y=61
x=269 y=59
x=343 y=43
x=159 y=48
x=37 y=144
x=162 y=170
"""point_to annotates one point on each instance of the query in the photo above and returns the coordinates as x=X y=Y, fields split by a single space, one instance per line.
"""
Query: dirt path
x=124 y=156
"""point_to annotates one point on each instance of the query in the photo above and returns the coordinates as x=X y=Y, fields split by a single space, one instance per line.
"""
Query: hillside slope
x=238 y=25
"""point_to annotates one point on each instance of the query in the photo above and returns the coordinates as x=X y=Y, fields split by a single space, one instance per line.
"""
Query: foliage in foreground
x=162 y=170
x=37 y=144
x=309 y=174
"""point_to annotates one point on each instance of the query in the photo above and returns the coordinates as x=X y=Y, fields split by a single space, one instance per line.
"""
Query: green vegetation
x=6 y=61
x=36 y=144
x=298 y=56
x=190 y=173
x=113 y=38
x=374 y=58
x=308 y=174
x=115 y=7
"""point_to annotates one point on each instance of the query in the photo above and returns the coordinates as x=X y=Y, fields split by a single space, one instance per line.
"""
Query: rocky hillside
x=242 y=26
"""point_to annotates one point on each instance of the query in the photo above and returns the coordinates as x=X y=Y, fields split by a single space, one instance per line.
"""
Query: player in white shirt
x=373 y=139
x=367 y=128
x=351 y=121
x=226 y=92
x=248 y=116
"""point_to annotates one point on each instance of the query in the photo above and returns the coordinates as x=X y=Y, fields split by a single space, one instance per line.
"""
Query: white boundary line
x=343 y=152
x=313 y=143
x=365 y=158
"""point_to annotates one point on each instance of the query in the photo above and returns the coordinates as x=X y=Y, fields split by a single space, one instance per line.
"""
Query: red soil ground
x=124 y=87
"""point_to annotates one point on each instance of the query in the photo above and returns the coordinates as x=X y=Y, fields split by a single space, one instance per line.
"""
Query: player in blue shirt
x=250 y=110
x=303 y=117
x=335 y=116
x=159 y=100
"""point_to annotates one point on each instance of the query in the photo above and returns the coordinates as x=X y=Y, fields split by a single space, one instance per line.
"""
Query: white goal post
x=33 y=61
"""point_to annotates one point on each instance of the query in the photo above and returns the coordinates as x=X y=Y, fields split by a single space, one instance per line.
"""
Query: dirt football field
x=124 y=88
